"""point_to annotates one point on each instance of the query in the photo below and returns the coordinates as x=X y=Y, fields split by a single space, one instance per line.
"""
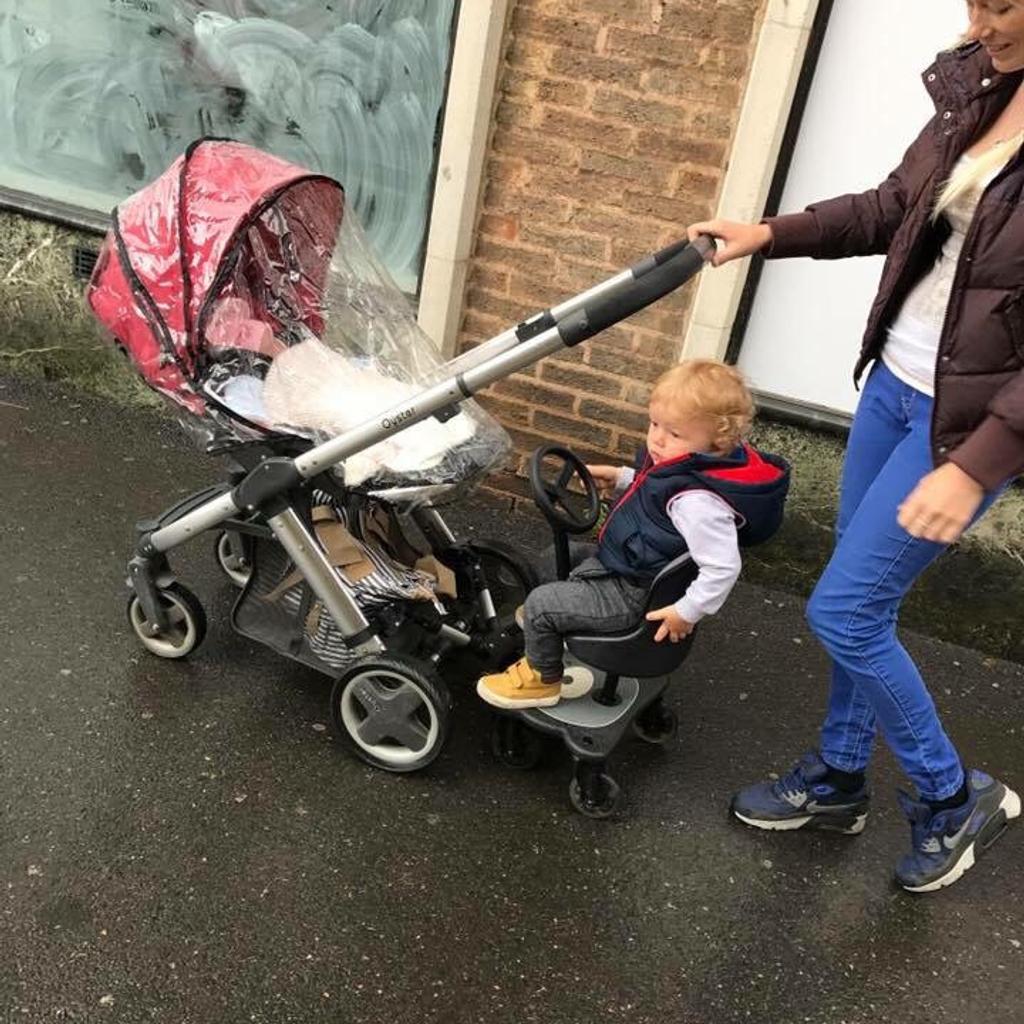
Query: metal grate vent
x=83 y=261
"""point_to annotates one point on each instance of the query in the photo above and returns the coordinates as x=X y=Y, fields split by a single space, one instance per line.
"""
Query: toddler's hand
x=673 y=625
x=605 y=477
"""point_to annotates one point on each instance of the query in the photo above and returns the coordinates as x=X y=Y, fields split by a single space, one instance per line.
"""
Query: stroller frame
x=269 y=487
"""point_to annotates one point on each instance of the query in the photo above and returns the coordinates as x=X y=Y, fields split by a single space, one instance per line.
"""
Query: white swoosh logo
x=813 y=805
x=949 y=842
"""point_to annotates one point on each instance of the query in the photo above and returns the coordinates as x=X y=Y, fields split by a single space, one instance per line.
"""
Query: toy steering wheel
x=565 y=508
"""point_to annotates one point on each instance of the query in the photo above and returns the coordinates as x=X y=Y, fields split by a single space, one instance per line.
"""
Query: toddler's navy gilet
x=639 y=539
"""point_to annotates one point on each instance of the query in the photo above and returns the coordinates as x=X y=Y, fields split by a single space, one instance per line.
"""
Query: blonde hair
x=972 y=174
x=710 y=390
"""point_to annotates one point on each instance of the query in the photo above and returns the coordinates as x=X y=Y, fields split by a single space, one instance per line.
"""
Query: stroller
x=242 y=289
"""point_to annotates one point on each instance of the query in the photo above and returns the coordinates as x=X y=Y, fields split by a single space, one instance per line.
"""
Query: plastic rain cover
x=243 y=289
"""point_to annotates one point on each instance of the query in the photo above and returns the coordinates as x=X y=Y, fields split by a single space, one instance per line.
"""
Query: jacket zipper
x=963 y=259
x=636 y=485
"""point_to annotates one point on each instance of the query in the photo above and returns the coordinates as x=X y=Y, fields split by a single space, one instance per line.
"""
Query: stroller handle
x=546 y=333
x=652 y=279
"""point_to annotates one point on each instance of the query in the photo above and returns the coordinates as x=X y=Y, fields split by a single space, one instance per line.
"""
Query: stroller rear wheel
x=186 y=618
x=510 y=577
x=233 y=554
x=392 y=712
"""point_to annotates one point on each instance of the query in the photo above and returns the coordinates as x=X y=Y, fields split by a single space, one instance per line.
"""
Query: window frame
x=97 y=223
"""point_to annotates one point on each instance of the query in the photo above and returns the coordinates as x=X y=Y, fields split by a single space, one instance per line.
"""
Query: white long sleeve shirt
x=707 y=523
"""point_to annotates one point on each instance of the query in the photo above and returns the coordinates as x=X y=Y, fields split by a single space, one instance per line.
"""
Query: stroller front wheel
x=232 y=553
x=391 y=712
x=186 y=623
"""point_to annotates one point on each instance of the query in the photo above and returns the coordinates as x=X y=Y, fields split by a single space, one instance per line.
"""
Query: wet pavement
x=187 y=842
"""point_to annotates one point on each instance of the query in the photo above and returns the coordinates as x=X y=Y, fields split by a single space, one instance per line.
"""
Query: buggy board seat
x=634 y=652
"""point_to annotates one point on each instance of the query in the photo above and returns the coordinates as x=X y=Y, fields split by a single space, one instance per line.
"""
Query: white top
x=912 y=347
x=708 y=525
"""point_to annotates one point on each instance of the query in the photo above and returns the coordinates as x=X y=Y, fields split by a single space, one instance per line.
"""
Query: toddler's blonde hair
x=710 y=390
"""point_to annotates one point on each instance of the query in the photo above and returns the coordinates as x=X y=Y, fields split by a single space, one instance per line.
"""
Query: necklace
x=1007 y=138
x=1017 y=101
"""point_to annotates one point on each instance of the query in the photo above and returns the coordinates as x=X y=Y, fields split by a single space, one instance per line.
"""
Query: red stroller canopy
x=179 y=243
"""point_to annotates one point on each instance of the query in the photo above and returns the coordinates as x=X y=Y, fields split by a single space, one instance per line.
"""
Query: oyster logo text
x=393 y=421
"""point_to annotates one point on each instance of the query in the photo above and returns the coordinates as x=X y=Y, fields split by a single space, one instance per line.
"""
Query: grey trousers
x=592 y=600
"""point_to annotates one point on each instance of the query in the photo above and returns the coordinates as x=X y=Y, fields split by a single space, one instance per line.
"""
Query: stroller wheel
x=514 y=744
x=232 y=553
x=187 y=623
x=392 y=712
x=510 y=577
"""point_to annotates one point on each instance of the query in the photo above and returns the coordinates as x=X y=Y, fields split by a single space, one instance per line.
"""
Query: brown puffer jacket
x=978 y=420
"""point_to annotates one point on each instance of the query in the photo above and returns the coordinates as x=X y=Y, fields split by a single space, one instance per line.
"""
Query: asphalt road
x=188 y=843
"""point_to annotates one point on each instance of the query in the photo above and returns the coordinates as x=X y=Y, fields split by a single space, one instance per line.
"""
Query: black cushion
x=633 y=652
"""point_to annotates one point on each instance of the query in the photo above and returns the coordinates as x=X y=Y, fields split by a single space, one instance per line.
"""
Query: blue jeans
x=854 y=606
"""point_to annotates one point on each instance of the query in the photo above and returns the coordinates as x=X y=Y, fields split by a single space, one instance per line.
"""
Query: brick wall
x=611 y=135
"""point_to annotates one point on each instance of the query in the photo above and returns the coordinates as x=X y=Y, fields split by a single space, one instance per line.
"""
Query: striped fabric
x=389 y=582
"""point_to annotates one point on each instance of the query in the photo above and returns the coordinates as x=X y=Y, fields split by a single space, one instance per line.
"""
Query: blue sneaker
x=802 y=799
x=947 y=843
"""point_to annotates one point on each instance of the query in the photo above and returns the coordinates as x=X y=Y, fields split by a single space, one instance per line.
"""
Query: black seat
x=633 y=652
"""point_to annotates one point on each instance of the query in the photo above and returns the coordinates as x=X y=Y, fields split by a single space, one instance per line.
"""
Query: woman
x=938 y=434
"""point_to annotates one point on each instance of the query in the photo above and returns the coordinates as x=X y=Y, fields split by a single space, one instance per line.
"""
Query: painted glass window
x=97 y=97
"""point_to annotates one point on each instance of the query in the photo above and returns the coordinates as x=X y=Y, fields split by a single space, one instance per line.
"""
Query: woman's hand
x=606 y=477
x=942 y=505
x=740 y=239
x=673 y=625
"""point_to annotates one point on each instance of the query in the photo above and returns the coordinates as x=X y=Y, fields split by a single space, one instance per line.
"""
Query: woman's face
x=999 y=26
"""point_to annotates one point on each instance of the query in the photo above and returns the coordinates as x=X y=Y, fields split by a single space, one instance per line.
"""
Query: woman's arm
x=851 y=225
x=944 y=502
x=994 y=452
x=942 y=505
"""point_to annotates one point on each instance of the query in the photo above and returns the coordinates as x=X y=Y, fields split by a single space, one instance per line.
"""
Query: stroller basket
x=277 y=607
x=276 y=614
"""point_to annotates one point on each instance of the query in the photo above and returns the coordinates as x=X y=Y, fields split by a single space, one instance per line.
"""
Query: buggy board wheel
x=391 y=712
x=656 y=724
x=186 y=623
x=596 y=795
x=237 y=567
x=514 y=744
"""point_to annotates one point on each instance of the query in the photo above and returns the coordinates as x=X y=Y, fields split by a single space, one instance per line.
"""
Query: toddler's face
x=673 y=433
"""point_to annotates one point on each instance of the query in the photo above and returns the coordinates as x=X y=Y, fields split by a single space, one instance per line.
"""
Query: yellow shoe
x=519 y=686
